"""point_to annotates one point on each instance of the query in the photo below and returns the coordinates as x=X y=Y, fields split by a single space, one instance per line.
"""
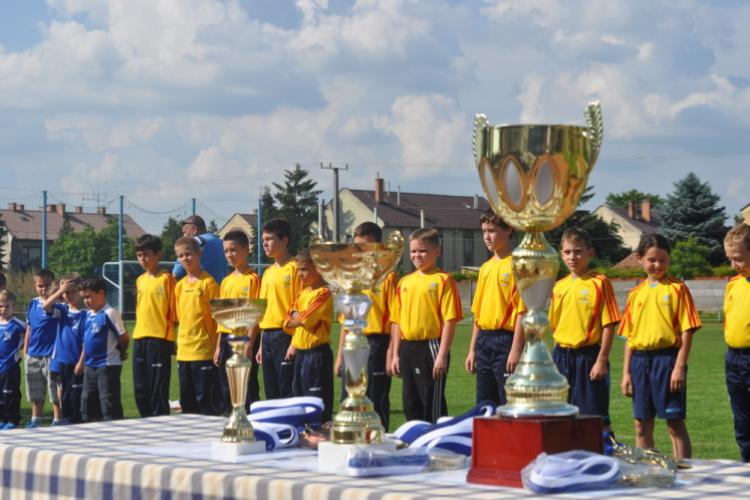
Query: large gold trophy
x=353 y=268
x=534 y=176
x=239 y=316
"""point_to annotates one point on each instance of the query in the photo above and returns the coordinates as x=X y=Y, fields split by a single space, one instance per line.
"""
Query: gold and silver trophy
x=534 y=176
x=239 y=316
x=353 y=268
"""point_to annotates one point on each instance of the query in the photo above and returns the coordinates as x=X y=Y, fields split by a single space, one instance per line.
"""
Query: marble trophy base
x=231 y=451
x=332 y=457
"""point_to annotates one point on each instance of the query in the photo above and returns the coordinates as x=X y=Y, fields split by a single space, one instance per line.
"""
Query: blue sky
x=167 y=100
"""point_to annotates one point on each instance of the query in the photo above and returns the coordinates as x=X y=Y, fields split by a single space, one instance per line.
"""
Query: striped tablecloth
x=107 y=460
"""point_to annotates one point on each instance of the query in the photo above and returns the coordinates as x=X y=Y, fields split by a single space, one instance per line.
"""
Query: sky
x=162 y=101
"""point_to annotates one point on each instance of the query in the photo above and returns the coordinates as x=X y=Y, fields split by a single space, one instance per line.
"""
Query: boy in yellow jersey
x=737 y=334
x=378 y=333
x=153 y=337
x=311 y=316
x=200 y=389
x=280 y=284
x=658 y=322
x=242 y=283
x=497 y=339
x=583 y=314
x=427 y=309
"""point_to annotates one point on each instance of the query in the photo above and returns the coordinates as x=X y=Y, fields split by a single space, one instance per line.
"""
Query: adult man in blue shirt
x=212 y=260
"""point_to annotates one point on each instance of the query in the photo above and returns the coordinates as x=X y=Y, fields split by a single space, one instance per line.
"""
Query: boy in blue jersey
x=38 y=346
x=12 y=333
x=66 y=357
x=105 y=345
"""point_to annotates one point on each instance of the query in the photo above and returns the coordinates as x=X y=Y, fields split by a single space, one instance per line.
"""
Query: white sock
x=38 y=420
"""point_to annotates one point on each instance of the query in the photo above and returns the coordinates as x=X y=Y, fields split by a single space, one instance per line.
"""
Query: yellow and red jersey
x=424 y=302
x=246 y=285
x=656 y=315
x=155 y=309
x=280 y=285
x=737 y=313
x=496 y=300
x=581 y=308
x=196 y=340
x=316 y=315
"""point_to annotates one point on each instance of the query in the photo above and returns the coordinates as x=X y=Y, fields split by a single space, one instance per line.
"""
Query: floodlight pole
x=335 y=197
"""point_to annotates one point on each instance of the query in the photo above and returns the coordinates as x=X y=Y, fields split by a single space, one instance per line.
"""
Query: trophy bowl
x=534 y=176
x=239 y=316
x=353 y=268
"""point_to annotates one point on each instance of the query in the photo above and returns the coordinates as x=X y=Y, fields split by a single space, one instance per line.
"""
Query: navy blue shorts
x=313 y=376
x=491 y=358
x=651 y=372
x=590 y=396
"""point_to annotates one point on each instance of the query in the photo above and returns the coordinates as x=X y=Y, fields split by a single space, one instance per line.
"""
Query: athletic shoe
x=59 y=423
x=32 y=425
x=8 y=426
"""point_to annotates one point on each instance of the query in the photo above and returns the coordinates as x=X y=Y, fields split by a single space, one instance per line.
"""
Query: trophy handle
x=595 y=131
x=480 y=123
x=396 y=244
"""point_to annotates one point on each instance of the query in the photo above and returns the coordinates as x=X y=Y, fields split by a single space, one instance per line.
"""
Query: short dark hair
x=3 y=280
x=369 y=229
x=304 y=256
x=279 y=228
x=238 y=237
x=148 y=242
x=94 y=284
x=576 y=233
x=197 y=221
x=7 y=296
x=490 y=217
x=653 y=240
x=45 y=274
x=427 y=234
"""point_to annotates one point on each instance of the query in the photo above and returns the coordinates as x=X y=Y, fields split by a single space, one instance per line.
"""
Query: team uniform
x=496 y=305
x=101 y=397
x=200 y=389
x=424 y=303
x=378 y=332
x=243 y=286
x=653 y=321
x=12 y=334
x=43 y=328
x=280 y=285
x=213 y=260
x=580 y=309
x=737 y=362
x=313 y=365
x=65 y=357
x=153 y=342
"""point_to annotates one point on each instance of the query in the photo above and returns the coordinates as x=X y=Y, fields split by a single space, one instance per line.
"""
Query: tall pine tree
x=298 y=204
x=693 y=210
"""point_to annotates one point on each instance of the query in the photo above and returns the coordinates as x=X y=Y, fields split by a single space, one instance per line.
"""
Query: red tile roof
x=27 y=224
x=440 y=211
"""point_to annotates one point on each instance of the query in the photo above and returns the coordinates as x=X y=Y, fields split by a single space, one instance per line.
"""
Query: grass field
x=709 y=415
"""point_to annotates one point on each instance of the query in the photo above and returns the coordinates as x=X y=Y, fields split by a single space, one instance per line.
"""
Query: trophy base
x=230 y=452
x=357 y=424
x=333 y=457
x=502 y=447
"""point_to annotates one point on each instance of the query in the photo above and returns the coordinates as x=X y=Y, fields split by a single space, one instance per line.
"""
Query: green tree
x=693 y=210
x=689 y=259
x=621 y=199
x=87 y=251
x=212 y=227
x=267 y=206
x=298 y=204
x=171 y=232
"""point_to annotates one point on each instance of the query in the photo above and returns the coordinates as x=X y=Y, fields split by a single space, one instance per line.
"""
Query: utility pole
x=335 y=197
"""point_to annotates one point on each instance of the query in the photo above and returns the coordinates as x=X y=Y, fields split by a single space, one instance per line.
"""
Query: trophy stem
x=238 y=428
x=356 y=422
x=536 y=388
